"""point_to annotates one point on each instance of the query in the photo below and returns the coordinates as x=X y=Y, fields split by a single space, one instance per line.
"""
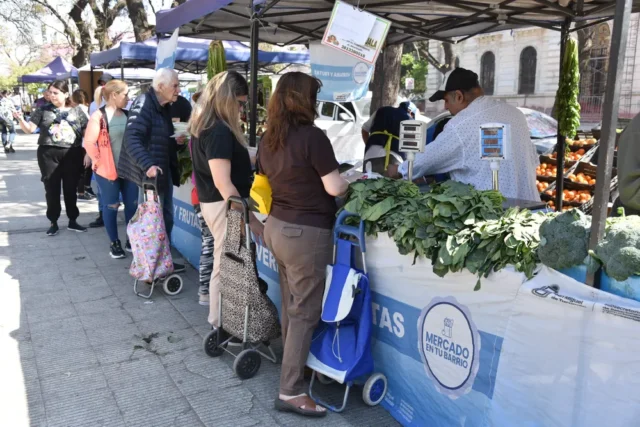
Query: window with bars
x=488 y=72
x=528 y=63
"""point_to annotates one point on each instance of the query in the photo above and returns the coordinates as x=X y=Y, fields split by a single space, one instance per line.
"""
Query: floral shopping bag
x=149 y=243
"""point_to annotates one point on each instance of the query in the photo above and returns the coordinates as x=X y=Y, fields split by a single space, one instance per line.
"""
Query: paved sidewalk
x=78 y=348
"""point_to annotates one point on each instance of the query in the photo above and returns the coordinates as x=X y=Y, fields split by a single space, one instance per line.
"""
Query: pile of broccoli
x=564 y=239
x=619 y=250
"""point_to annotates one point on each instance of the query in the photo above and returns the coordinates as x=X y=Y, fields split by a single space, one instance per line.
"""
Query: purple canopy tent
x=58 y=69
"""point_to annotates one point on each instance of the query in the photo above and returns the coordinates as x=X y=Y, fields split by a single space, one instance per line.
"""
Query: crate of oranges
x=584 y=144
x=547 y=171
x=569 y=197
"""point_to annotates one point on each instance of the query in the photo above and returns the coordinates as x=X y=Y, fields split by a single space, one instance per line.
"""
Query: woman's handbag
x=260 y=193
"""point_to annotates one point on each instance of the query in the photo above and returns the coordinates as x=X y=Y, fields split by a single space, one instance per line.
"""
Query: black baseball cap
x=458 y=79
x=105 y=77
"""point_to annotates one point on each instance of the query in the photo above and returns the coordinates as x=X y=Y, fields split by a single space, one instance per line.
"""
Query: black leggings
x=60 y=166
x=85 y=176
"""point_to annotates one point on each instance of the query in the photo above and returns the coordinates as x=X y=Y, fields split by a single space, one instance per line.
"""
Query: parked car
x=543 y=129
x=342 y=122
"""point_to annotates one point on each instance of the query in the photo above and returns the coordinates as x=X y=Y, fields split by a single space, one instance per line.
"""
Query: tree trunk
x=386 y=77
x=104 y=20
x=585 y=44
x=83 y=46
x=422 y=47
x=141 y=28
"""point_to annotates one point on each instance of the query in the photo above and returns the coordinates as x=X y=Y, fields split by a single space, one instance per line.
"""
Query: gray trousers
x=302 y=253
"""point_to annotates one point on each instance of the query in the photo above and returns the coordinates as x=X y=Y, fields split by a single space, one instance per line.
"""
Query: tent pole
x=610 y=108
x=121 y=71
x=564 y=37
x=255 y=28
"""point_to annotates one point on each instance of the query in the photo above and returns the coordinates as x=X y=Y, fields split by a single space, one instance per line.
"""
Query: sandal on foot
x=302 y=405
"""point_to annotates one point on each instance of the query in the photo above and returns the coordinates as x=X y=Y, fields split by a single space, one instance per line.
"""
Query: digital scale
x=495 y=139
x=413 y=137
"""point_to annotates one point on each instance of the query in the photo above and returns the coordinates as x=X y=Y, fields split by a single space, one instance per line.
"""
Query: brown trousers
x=302 y=253
x=215 y=215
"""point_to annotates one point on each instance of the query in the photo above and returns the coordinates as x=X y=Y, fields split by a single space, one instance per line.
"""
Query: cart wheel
x=374 y=389
x=323 y=379
x=247 y=364
x=211 y=344
x=172 y=285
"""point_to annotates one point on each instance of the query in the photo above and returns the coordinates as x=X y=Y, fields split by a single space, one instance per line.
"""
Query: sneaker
x=127 y=246
x=203 y=299
x=178 y=268
x=53 y=230
x=6 y=149
x=97 y=223
x=74 y=226
x=12 y=149
x=89 y=191
x=116 y=251
x=85 y=196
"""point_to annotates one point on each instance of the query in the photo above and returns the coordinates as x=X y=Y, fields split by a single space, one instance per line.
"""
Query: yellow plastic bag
x=261 y=194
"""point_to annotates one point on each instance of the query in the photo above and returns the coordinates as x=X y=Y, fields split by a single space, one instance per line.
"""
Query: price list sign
x=356 y=32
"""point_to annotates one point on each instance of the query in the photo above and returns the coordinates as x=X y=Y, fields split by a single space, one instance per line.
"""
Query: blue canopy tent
x=191 y=55
x=58 y=69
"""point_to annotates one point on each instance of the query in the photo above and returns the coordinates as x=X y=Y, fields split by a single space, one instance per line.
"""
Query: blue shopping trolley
x=341 y=345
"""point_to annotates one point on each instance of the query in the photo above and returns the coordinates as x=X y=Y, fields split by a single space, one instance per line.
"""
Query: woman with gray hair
x=148 y=150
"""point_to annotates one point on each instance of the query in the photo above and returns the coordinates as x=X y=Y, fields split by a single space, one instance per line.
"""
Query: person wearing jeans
x=302 y=169
x=59 y=152
x=103 y=142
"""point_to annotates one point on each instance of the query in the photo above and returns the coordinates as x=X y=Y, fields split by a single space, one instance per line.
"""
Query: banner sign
x=166 y=52
x=343 y=77
x=356 y=32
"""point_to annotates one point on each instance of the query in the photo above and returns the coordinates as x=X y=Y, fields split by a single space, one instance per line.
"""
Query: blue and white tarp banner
x=544 y=352
x=166 y=53
x=186 y=236
x=344 y=78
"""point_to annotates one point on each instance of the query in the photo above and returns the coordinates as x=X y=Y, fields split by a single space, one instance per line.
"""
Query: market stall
x=530 y=346
x=58 y=69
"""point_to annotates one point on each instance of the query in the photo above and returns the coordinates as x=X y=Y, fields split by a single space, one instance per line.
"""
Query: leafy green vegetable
x=564 y=239
x=568 y=107
x=185 y=165
x=454 y=225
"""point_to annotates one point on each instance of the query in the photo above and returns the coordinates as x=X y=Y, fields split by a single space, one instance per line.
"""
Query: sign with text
x=356 y=32
x=343 y=77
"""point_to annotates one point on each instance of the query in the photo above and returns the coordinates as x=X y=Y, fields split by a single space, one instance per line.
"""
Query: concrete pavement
x=78 y=348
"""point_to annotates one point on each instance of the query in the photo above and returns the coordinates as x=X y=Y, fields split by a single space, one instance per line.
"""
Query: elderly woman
x=60 y=152
x=298 y=159
x=148 y=150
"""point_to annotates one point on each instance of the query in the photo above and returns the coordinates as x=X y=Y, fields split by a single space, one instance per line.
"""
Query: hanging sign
x=409 y=83
x=356 y=32
x=343 y=77
x=166 y=52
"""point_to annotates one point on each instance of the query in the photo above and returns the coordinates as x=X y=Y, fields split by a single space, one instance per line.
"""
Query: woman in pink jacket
x=103 y=142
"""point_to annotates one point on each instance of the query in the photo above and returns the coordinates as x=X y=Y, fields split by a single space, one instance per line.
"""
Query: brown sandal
x=299 y=405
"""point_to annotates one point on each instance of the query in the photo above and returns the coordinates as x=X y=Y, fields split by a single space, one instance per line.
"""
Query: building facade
x=522 y=68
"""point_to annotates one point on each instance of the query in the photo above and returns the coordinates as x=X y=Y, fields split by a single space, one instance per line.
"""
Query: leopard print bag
x=239 y=288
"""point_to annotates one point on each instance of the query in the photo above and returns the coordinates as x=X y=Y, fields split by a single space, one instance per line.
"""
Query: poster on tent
x=355 y=32
x=343 y=77
x=166 y=52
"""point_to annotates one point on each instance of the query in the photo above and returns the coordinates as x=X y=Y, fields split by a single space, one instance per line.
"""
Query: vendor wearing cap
x=380 y=132
x=456 y=150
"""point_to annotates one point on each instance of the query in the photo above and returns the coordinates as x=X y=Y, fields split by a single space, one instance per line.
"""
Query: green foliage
x=568 y=108
x=564 y=239
x=217 y=61
x=16 y=72
x=453 y=225
x=412 y=67
x=185 y=165
x=619 y=250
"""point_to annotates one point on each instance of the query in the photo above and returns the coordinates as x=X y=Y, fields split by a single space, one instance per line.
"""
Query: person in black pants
x=60 y=152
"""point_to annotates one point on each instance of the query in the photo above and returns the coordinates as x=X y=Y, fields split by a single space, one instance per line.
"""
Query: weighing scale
x=495 y=139
x=413 y=137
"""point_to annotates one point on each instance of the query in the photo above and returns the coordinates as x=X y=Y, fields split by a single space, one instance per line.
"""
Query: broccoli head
x=619 y=250
x=564 y=239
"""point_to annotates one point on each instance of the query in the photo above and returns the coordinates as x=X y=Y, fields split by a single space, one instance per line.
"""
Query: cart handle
x=245 y=213
x=341 y=228
x=150 y=184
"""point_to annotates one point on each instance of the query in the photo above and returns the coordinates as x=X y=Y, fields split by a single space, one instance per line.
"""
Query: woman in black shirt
x=221 y=162
x=60 y=152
